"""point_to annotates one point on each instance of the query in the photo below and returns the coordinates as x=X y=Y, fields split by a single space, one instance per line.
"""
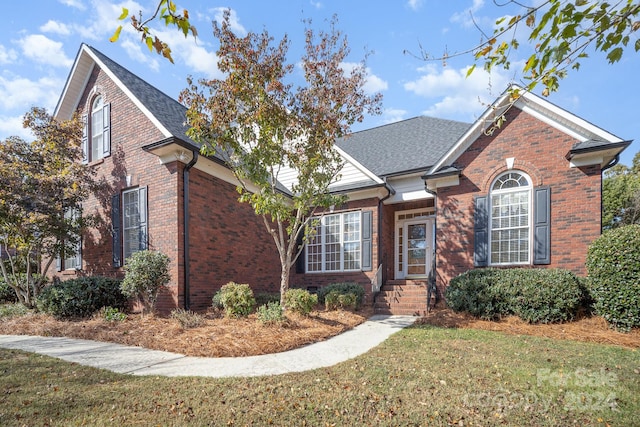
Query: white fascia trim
x=471 y=134
x=446 y=181
x=552 y=110
x=358 y=165
x=122 y=87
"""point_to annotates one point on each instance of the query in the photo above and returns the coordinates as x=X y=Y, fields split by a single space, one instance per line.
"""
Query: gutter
x=185 y=219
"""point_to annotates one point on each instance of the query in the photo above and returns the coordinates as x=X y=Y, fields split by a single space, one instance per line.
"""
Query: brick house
x=426 y=197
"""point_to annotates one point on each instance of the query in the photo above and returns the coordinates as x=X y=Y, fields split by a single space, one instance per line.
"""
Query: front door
x=414 y=248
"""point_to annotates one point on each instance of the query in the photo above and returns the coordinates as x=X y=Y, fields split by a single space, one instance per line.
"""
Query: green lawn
x=420 y=376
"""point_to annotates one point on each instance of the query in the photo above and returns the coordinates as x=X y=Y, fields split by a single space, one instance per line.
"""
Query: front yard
x=425 y=375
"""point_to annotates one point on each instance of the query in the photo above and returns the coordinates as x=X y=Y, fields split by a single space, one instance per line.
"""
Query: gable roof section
x=589 y=137
x=167 y=114
x=403 y=147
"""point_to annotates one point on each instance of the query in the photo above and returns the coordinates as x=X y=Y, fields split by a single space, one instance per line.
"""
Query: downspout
x=433 y=290
x=185 y=225
x=390 y=192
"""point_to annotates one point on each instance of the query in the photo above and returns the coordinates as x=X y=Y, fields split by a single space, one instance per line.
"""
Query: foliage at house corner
x=146 y=273
x=561 y=33
x=262 y=125
x=613 y=265
x=621 y=195
x=41 y=184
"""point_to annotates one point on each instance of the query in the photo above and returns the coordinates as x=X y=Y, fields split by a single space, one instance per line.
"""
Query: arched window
x=510 y=220
x=97 y=141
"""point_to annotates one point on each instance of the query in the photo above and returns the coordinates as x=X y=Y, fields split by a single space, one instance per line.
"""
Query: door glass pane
x=417 y=249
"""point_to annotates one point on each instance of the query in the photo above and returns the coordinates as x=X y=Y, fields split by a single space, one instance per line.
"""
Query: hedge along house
x=426 y=197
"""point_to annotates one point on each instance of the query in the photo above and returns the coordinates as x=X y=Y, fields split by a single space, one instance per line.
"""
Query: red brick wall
x=229 y=242
x=130 y=130
x=539 y=150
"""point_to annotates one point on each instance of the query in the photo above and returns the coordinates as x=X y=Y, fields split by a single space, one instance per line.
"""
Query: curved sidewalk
x=140 y=361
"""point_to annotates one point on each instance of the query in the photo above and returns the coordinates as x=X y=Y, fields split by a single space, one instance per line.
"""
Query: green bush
x=613 y=265
x=263 y=298
x=187 y=319
x=12 y=310
x=300 y=301
x=271 y=313
x=7 y=293
x=111 y=314
x=342 y=288
x=81 y=297
x=335 y=300
x=236 y=299
x=146 y=273
x=533 y=294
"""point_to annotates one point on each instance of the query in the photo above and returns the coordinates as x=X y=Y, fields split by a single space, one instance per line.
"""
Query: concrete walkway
x=140 y=361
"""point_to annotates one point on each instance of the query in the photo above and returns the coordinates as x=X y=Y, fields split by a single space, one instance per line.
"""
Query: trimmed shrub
x=8 y=311
x=342 y=288
x=613 y=265
x=81 y=297
x=533 y=294
x=335 y=300
x=187 y=318
x=146 y=273
x=236 y=299
x=474 y=292
x=263 y=298
x=300 y=301
x=111 y=314
x=271 y=313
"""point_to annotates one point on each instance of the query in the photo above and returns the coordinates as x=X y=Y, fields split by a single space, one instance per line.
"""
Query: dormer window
x=96 y=134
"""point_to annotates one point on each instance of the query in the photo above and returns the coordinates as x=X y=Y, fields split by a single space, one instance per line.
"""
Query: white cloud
x=373 y=83
x=55 y=27
x=78 y=4
x=392 y=115
x=22 y=93
x=317 y=4
x=7 y=56
x=414 y=4
x=44 y=50
x=191 y=53
x=234 y=22
x=140 y=53
x=466 y=17
x=12 y=126
x=104 y=19
x=454 y=94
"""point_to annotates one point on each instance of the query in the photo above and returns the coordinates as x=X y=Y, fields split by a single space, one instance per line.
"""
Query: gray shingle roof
x=409 y=145
x=169 y=112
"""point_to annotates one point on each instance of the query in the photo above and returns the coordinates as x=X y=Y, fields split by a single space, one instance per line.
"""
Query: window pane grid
x=510 y=216
x=131 y=222
x=336 y=245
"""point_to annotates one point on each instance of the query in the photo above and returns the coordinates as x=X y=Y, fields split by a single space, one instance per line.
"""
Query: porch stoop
x=405 y=297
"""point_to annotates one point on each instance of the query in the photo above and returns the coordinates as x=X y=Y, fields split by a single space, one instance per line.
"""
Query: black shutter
x=301 y=261
x=85 y=139
x=116 y=234
x=367 y=232
x=480 y=231
x=106 y=130
x=142 y=210
x=542 y=225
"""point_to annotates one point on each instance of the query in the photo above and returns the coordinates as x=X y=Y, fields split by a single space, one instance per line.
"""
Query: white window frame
x=317 y=254
x=96 y=130
x=141 y=226
x=506 y=191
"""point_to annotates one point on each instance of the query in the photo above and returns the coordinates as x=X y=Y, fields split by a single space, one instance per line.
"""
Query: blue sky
x=40 y=39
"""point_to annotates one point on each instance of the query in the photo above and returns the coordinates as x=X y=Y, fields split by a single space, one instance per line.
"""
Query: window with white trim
x=336 y=244
x=96 y=132
x=510 y=219
x=134 y=221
